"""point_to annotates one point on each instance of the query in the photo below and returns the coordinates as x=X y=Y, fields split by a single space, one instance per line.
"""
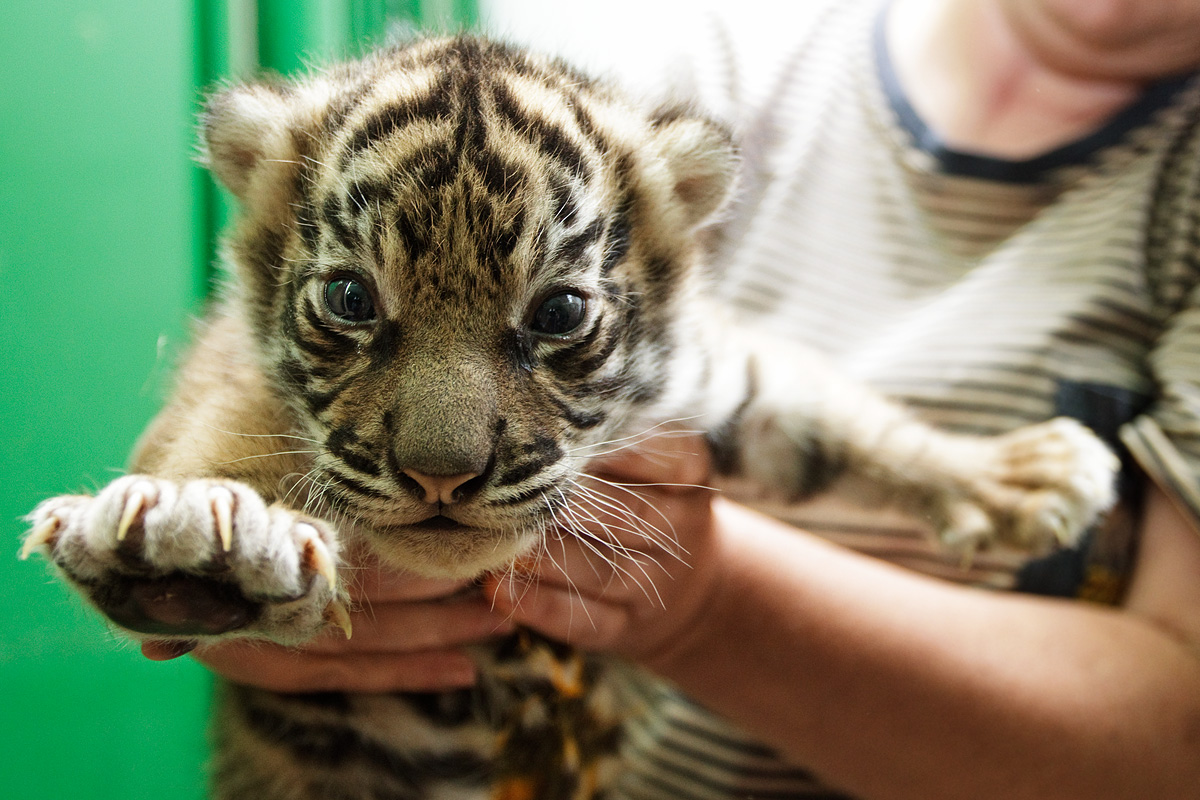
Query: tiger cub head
x=465 y=267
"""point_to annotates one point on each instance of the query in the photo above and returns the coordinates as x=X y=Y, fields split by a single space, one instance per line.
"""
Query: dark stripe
x=331 y=215
x=734 y=765
x=618 y=239
x=337 y=702
x=545 y=452
x=550 y=139
x=724 y=788
x=566 y=209
x=339 y=443
x=317 y=401
x=662 y=274
x=724 y=439
x=434 y=166
x=348 y=483
x=306 y=223
x=648 y=391
x=385 y=343
x=505 y=240
x=519 y=347
x=436 y=104
x=522 y=497
x=366 y=195
x=499 y=178
x=293 y=373
x=572 y=248
x=390 y=459
x=577 y=419
x=569 y=363
x=335 y=746
x=587 y=125
x=414 y=226
x=823 y=461
x=337 y=344
x=448 y=709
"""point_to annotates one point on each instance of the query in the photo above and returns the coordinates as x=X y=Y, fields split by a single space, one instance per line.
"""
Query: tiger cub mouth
x=439 y=522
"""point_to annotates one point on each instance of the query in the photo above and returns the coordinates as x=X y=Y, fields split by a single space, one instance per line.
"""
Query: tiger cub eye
x=559 y=314
x=349 y=300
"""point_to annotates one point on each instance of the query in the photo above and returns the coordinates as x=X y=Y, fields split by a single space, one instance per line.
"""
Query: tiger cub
x=459 y=268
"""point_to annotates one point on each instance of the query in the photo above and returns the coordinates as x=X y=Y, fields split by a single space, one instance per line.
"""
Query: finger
x=559 y=613
x=281 y=669
x=373 y=582
x=406 y=627
x=597 y=569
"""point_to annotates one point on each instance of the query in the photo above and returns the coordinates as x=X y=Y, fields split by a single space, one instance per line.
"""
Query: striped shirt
x=984 y=294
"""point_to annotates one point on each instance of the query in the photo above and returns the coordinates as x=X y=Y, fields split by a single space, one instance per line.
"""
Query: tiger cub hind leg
x=1034 y=488
x=194 y=559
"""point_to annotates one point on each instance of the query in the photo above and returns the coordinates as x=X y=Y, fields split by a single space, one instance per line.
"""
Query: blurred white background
x=640 y=41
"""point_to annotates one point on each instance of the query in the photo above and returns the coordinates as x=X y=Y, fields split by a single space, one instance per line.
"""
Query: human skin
x=900 y=687
x=897 y=686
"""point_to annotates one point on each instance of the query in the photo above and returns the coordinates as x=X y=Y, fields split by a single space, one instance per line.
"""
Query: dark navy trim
x=971 y=165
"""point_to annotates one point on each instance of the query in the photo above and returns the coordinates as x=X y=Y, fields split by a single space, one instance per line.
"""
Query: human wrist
x=711 y=623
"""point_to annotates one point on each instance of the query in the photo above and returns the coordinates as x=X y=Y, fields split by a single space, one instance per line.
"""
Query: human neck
x=982 y=90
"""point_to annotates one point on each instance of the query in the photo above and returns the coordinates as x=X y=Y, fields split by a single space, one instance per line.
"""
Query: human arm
x=900 y=686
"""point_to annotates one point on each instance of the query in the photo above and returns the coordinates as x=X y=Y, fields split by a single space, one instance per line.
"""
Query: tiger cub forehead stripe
x=423 y=98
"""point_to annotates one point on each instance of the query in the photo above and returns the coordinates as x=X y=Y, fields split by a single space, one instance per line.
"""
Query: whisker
x=267 y=455
x=264 y=435
x=668 y=541
x=634 y=439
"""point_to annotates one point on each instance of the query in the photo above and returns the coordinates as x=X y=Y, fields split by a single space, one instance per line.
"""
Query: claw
x=133 y=506
x=39 y=536
x=338 y=615
x=316 y=558
x=223 y=512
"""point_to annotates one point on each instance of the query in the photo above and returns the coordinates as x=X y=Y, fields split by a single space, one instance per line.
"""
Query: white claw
x=338 y=615
x=39 y=536
x=316 y=557
x=133 y=506
x=223 y=512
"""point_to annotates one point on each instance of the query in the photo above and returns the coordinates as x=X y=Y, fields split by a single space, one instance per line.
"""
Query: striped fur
x=386 y=367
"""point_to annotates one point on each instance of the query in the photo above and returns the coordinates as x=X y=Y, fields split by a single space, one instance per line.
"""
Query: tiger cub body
x=459 y=271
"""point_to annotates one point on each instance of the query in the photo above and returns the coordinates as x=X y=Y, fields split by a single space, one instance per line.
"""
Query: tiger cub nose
x=441 y=489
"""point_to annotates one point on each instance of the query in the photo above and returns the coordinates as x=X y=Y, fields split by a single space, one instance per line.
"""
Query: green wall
x=96 y=210
x=106 y=231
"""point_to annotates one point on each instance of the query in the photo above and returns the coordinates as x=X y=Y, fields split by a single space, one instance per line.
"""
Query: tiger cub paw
x=196 y=559
x=1038 y=487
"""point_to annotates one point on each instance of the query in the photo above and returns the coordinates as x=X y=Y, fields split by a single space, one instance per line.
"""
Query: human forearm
x=902 y=687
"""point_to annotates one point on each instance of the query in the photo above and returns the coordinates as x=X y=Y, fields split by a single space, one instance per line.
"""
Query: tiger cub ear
x=245 y=127
x=701 y=159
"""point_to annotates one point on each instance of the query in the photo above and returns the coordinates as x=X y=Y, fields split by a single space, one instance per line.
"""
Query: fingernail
x=168 y=650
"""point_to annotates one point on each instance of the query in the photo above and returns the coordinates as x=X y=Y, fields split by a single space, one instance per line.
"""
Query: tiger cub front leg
x=193 y=559
x=802 y=428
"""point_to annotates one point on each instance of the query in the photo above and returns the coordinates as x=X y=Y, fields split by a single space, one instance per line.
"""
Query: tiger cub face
x=465 y=267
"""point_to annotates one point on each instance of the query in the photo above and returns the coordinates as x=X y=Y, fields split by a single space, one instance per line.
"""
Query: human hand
x=621 y=585
x=409 y=635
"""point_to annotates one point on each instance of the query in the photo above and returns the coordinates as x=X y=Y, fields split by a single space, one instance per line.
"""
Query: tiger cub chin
x=459 y=269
